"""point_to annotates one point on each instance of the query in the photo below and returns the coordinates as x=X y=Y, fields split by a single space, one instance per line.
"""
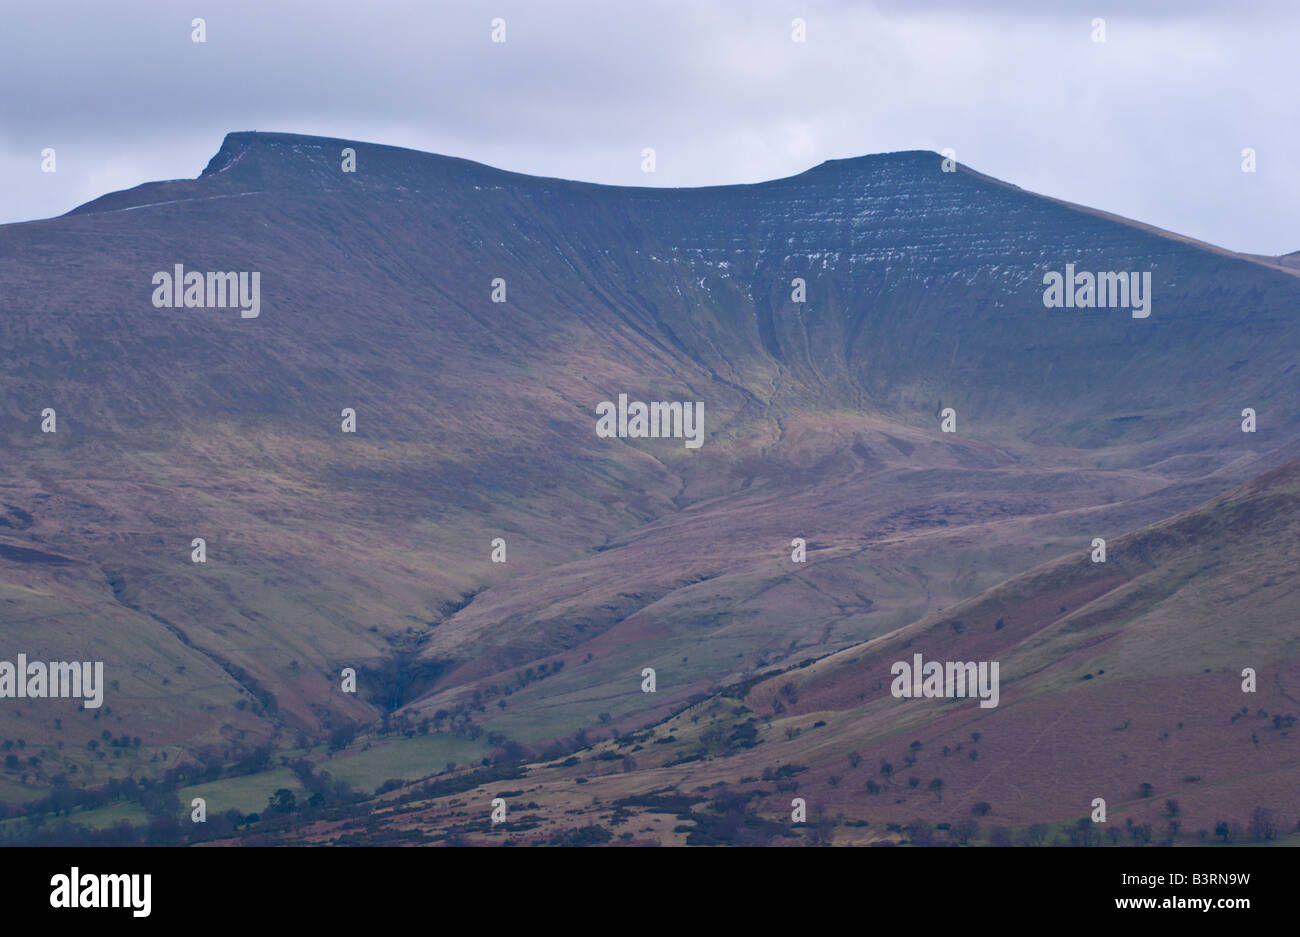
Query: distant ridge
x=237 y=146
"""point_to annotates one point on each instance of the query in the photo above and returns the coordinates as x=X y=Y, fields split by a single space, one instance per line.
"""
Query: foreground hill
x=1120 y=680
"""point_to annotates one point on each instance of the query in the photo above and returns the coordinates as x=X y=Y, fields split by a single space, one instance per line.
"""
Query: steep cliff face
x=476 y=420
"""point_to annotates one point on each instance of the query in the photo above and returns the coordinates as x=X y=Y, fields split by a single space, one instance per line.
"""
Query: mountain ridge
x=237 y=144
x=475 y=421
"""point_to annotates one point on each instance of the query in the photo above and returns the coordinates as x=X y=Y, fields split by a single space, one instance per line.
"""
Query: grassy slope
x=1113 y=676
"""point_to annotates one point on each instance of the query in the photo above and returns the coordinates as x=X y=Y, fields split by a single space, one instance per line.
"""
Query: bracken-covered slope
x=476 y=420
x=1122 y=680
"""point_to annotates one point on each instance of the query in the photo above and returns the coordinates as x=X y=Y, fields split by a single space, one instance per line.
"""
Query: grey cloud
x=1149 y=125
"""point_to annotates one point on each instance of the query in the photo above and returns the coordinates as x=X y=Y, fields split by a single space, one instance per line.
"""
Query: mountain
x=475 y=420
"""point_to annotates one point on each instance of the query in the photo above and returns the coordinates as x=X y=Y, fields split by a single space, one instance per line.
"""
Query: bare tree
x=1263 y=825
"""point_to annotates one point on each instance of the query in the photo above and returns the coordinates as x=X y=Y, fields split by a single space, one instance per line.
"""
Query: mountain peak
x=240 y=144
x=876 y=160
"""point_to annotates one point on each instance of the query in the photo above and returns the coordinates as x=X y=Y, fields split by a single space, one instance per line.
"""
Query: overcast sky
x=1150 y=124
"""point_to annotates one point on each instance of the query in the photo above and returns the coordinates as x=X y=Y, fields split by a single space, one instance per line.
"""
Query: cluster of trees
x=593 y=835
x=1263 y=826
x=322 y=789
x=728 y=822
x=157 y=797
